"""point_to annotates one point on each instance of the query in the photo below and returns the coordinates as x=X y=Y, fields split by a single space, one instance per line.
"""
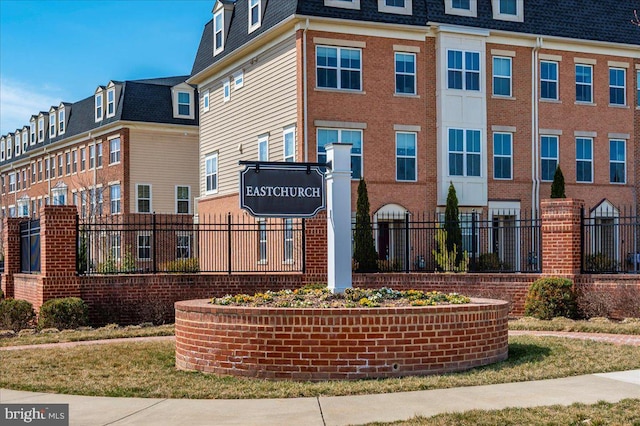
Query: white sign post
x=338 y=179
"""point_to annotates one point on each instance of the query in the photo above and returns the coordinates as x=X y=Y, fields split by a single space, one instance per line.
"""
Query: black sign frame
x=278 y=176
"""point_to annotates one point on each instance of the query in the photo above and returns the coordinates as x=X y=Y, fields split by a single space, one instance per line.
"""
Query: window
x=47 y=170
x=548 y=157
x=41 y=129
x=92 y=156
x=99 y=152
x=205 y=101
x=114 y=196
x=584 y=160
x=183 y=199
x=288 y=240
x=338 y=68
x=262 y=241
x=111 y=102
x=638 y=88
x=16 y=140
x=12 y=182
x=405 y=73
x=584 y=83
x=501 y=76
x=461 y=7
x=18 y=187
x=508 y=7
x=74 y=157
x=9 y=147
x=52 y=165
x=263 y=148
x=60 y=162
x=183 y=245
x=354 y=137
x=617 y=161
x=502 y=152
x=218 y=32
x=3 y=147
x=144 y=246
x=61 y=126
x=617 y=89
x=464 y=152
x=345 y=4
x=114 y=151
x=67 y=158
x=238 y=79
x=402 y=7
x=39 y=170
x=184 y=103
x=226 y=91
x=461 y=4
x=211 y=173
x=98 y=199
x=25 y=141
x=463 y=70
x=508 y=10
x=549 y=80
x=115 y=246
x=255 y=14
x=52 y=124
x=83 y=159
x=98 y=102
x=406 y=157
x=144 y=198
x=32 y=129
x=289 y=137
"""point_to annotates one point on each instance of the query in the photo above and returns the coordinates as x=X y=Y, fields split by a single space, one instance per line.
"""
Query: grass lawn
x=594 y=325
x=146 y=369
x=623 y=413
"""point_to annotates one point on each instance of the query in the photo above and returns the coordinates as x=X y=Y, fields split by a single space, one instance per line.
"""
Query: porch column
x=339 y=251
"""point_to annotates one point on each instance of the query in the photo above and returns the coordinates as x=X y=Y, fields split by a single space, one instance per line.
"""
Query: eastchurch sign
x=269 y=189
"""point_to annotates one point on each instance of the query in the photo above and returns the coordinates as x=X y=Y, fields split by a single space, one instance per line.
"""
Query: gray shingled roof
x=599 y=20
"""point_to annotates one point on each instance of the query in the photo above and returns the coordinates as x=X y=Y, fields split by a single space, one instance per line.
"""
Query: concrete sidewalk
x=342 y=410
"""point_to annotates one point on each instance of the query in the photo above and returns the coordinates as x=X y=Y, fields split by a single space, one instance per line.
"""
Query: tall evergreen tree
x=557 y=187
x=364 y=250
x=452 y=224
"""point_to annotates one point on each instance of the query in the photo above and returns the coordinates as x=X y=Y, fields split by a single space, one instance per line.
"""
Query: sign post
x=338 y=179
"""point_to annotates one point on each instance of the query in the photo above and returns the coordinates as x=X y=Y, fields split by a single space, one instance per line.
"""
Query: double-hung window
x=98 y=103
x=502 y=155
x=183 y=199
x=461 y=4
x=144 y=198
x=617 y=86
x=508 y=7
x=339 y=68
x=463 y=70
x=114 y=151
x=406 y=162
x=226 y=91
x=218 y=32
x=83 y=159
x=549 y=80
x=74 y=156
x=9 y=147
x=501 y=76
x=41 y=130
x=61 y=122
x=16 y=140
x=405 y=73
x=67 y=160
x=183 y=245
x=205 y=101
x=3 y=147
x=52 y=124
x=111 y=102
x=288 y=240
x=211 y=173
x=184 y=104
x=12 y=182
x=584 y=160
x=464 y=152
x=32 y=128
x=584 y=83
x=262 y=241
x=47 y=171
x=617 y=161
x=289 y=137
x=263 y=148
x=255 y=14
x=25 y=141
x=144 y=245
x=114 y=196
x=354 y=137
x=99 y=154
x=548 y=157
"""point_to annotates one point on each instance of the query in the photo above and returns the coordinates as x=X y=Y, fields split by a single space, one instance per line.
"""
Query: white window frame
x=52 y=124
x=238 y=79
x=115 y=154
x=498 y=14
x=555 y=81
x=32 y=131
x=218 y=20
x=99 y=106
x=399 y=10
x=263 y=242
x=322 y=157
x=263 y=141
x=182 y=200
x=343 y=4
x=589 y=84
x=138 y=198
x=205 y=101
x=584 y=160
x=9 y=147
x=143 y=235
x=464 y=70
x=17 y=141
x=61 y=122
x=111 y=102
x=465 y=152
x=41 y=129
x=617 y=161
x=472 y=11
x=115 y=204
x=12 y=183
x=226 y=90
x=503 y=77
x=3 y=147
x=338 y=68
x=405 y=73
x=510 y=156
x=413 y=157
x=214 y=173
x=187 y=104
x=288 y=241
x=251 y=5
x=549 y=158
x=615 y=86
x=115 y=246
x=180 y=236
x=289 y=144
x=25 y=140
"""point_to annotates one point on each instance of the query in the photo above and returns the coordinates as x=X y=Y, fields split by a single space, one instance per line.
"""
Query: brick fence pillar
x=11 y=238
x=316 y=248
x=561 y=251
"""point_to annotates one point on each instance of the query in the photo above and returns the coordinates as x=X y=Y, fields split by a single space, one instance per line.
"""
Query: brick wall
x=337 y=344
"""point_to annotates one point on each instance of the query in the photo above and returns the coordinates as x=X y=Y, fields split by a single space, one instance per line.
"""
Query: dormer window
x=183 y=97
x=508 y=10
x=17 y=143
x=41 y=129
x=52 y=124
x=33 y=131
x=2 y=152
x=9 y=147
x=255 y=14
x=61 y=126
x=345 y=4
x=401 y=7
x=218 y=32
x=111 y=102
x=98 y=102
x=184 y=103
x=461 y=7
x=25 y=139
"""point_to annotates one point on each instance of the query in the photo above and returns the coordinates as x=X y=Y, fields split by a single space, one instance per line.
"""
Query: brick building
x=490 y=95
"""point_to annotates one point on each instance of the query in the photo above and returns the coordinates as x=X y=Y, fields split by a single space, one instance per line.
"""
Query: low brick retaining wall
x=336 y=344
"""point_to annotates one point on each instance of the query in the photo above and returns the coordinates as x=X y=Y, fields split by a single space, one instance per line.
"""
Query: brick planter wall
x=336 y=344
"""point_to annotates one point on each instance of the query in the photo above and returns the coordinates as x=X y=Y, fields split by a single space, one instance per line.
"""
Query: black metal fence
x=30 y=246
x=610 y=239
x=493 y=241
x=139 y=243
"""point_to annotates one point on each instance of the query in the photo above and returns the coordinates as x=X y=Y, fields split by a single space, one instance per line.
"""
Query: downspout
x=304 y=91
x=535 y=132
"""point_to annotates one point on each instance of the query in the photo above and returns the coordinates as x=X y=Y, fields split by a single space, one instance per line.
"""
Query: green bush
x=16 y=314
x=182 y=265
x=67 y=313
x=600 y=262
x=551 y=297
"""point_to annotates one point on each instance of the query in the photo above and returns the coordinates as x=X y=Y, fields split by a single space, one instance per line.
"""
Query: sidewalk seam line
x=321 y=413
x=135 y=412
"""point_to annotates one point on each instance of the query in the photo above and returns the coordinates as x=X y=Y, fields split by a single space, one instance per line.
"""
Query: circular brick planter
x=335 y=344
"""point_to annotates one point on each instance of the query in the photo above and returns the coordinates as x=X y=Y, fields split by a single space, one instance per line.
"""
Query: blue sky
x=53 y=50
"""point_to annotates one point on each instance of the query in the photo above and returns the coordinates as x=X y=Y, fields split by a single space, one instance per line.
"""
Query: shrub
x=557 y=187
x=16 y=314
x=66 y=313
x=490 y=262
x=182 y=265
x=551 y=297
x=600 y=262
x=364 y=253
